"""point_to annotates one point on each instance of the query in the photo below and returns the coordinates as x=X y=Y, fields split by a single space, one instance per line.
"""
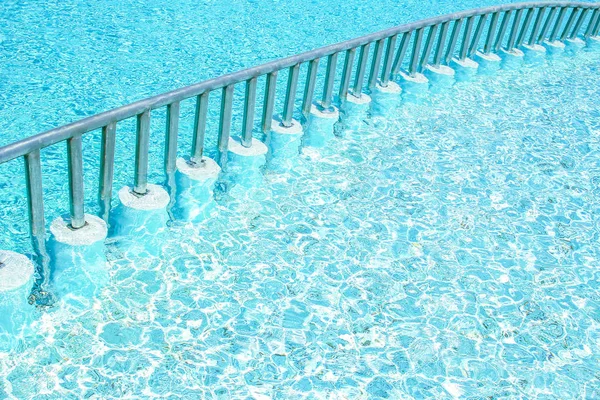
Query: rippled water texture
x=448 y=250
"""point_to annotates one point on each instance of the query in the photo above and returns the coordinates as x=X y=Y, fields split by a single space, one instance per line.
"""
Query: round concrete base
x=512 y=59
x=572 y=46
x=534 y=54
x=139 y=215
x=554 y=48
x=245 y=164
x=194 y=194
x=440 y=77
x=593 y=42
x=489 y=63
x=16 y=282
x=77 y=258
x=320 y=128
x=386 y=98
x=465 y=69
x=284 y=143
x=413 y=84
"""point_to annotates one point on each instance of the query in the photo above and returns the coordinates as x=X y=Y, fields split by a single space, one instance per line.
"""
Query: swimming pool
x=444 y=249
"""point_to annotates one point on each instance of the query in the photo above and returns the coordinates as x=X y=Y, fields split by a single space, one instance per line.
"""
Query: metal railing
x=442 y=36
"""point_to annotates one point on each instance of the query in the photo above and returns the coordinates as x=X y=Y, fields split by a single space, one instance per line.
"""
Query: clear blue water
x=446 y=250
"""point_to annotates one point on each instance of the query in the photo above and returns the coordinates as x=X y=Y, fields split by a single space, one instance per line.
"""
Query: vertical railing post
x=75 y=168
x=466 y=39
x=107 y=162
x=546 y=27
x=309 y=87
x=414 y=59
x=512 y=37
x=489 y=41
x=375 y=64
x=347 y=73
x=525 y=27
x=557 y=24
x=225 y=123
x=592 y=23
x=141 y=153
x=428 y=46
x=199 y=128
x=35 y=197
x=439 y=50
x=579 y=23
x=329 y=81
x=269 y=101
x=171 y=137
x=570 y=22
x=388 y=60
x=290 y=95
x=401 y=52
x=360 y=72
x=477 y=35
x=536 y=26
x=502 y=30
x=453 y=40
x=249 y=107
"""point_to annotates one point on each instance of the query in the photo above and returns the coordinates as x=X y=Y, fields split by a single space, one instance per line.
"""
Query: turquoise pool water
x=445 y=250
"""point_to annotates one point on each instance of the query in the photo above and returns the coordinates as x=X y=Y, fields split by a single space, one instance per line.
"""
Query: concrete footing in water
x=512 y=59
x=284 y=144
x=489 y=63
x=77 y=257
x=320 y=128
x=385 y=98
x=465 y=69
x=441 y=76
x=16 y=282
x=195 y=182
x=138 y=215
x=534 y=54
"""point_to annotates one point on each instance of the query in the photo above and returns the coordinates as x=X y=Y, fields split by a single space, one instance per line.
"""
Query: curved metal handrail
x=547 y=26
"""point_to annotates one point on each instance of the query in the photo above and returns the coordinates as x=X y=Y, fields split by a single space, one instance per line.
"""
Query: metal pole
x=412 y=69
x=502 y=30
x=35 y=196
x=466 y=39
x=592 y=23
x=75 y=161
x=249 y=107
x=453 y=39
x=107 y=162
x=597 y=27
x=546 y=27
x=428 y=46
x=269 y=101
x=199 y=127
x=225 y=123
x=290 y=96
x=401 y=52
x=375 y=64
x=347 y=73
x=536 y=26
x=360 y=72
x=513 y=31
x=525 y=27
x=439 y=50
x=570 y=22
x=557 y=25
x=141 y=153
x=309 y=88
x=329 y=81
x=388 y=60
x=477 y=35
x=171 y=137
x=489 y=41
x=579 y=23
